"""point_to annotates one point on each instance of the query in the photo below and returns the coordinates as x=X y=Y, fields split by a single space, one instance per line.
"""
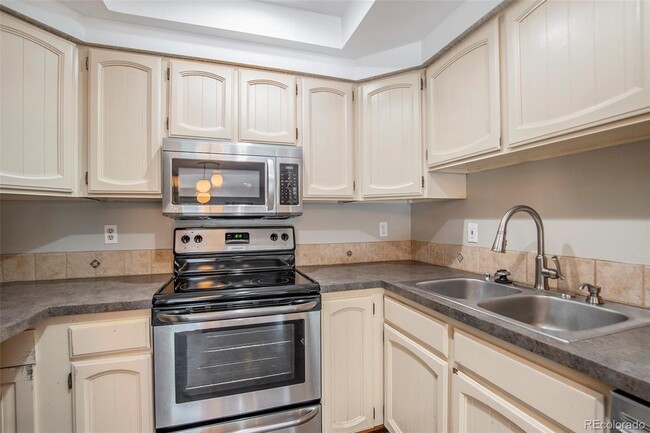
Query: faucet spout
x=499 y=246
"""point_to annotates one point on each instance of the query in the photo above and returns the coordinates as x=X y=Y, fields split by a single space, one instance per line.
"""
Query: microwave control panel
x=289 y=181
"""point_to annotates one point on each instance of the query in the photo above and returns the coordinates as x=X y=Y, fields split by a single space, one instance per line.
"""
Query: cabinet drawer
x=426 y=329
x=535 y=386
x=111 y=336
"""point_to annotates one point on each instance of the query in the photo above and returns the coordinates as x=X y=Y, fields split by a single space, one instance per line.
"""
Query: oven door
x=218 y=185
x=223 y=368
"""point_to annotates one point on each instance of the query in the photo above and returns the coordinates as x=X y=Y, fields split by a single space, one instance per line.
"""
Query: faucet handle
x=558 y=268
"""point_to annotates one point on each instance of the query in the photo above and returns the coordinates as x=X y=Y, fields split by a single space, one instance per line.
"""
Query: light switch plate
x=472 y=232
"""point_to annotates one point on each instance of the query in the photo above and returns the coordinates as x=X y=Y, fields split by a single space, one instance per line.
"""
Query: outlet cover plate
x=472 y=233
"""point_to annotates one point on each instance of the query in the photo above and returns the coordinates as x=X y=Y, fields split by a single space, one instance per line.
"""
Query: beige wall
x=43 y=226
x=594 y=205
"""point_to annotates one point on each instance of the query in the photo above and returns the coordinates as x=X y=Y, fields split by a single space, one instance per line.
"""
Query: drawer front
x=428 y=330
x=535 y=386
x=110 y=336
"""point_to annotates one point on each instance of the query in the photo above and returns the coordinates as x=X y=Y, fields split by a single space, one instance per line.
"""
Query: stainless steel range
x=237 y=335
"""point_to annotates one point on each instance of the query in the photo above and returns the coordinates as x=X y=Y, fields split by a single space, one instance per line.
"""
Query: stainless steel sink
x=544 y=312
x=466 y=288
x=553 y=314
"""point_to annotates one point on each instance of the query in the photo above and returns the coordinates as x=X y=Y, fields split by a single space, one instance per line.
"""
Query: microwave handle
x=271 y=187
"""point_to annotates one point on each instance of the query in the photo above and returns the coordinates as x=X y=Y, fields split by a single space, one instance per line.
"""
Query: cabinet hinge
x=354 y=185
x=426 y=155
x=353 y=96
x=296 y=133
x=167 y=123
x=373 y=413
x=296 y=90
x=421 y=84
x=422 y=181
x=373 y=311
x=69 y=380
x=168 y=73
x=86 y=63
x=500 y=141
x=454 y=370
x=86 y=178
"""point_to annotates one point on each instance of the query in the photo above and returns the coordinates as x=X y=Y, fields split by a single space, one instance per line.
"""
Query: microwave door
x=216 y=185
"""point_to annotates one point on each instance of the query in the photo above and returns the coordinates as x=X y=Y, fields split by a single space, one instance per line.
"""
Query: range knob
x=274 y=237
x=285 y=237
x=185 y=239
x=198 y=239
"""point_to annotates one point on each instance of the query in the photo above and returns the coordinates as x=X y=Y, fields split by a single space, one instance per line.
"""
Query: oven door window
x=218 y=183
x=218 y=362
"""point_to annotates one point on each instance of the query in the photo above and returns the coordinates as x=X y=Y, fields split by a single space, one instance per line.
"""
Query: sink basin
x=467 y=288
x=553 y=314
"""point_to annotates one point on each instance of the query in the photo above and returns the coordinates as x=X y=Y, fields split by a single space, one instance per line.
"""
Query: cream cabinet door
x=416 y=386
x=475 y=408
x=201 y=100
x=351 y=337
x=38 y=111
x=17 y=402
x=390 y=136
x=574 y=64
x=464 y=117
x=267 y=107
x=124 y=123
x=113 y=394
x=327 y=139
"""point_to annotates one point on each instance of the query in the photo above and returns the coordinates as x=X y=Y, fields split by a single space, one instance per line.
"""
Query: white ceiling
x=352 y=39
x=350 y=29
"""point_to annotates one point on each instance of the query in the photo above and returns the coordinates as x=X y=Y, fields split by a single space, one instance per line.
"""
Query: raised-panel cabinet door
x=200 y=100
x=571 y=65
x=463 y=99
x=391 y=146
x=327 y=139
x=350 y=335
x=125 y=123
x=267 y=107
x=17 y=399
x=113 y=394
x=475 y=408
x=416 y=386
x=37 y=111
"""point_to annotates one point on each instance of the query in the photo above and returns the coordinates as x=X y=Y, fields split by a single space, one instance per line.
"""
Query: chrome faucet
x=542 y=273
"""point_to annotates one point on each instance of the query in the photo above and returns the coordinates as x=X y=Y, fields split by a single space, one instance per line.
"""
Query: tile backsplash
x=621 y=282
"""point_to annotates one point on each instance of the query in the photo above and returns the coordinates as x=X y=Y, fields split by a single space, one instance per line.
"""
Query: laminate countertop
x=621 y=360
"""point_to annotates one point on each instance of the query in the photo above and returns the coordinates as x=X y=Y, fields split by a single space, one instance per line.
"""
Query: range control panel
x=208 y=240
x=289 y=184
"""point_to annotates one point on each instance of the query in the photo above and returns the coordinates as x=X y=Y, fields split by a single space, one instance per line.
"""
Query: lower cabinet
x=113 y=394
x=352 y=360
x=16 y=400
x=94 y=373
x=416 y=386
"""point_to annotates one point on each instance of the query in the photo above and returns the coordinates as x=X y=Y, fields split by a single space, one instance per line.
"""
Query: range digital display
x=238 y=238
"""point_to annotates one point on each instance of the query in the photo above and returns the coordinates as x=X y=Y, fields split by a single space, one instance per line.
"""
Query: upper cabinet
x=38 y=108
x=267 y=107
x=390 y=137
x=571 y=65
x=125 y=128
x=201 y=100
x=463 y=99
x=327 y=139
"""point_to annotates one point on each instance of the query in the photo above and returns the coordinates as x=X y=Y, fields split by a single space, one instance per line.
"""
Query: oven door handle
x=281 y=421
x=176 y=316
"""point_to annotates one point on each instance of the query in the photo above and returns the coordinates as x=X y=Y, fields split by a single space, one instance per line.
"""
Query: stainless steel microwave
x=210 y=179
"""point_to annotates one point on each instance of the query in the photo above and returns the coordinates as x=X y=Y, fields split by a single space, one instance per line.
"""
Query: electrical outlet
x=383 y=230
x=110 y=234
x=472 y=233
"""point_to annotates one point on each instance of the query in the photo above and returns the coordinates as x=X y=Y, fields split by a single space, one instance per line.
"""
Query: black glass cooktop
x=231 y=286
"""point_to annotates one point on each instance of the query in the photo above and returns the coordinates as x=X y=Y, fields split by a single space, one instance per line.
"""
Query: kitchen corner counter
x=24 y=304
x=621 y=360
